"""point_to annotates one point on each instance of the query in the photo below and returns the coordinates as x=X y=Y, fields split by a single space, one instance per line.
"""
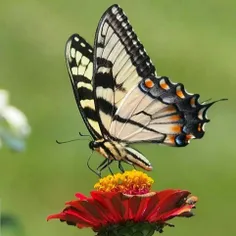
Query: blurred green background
x=193 y=42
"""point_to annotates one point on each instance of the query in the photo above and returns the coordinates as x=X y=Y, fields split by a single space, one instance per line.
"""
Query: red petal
x=111 y=202
x=103 y=201
x=171 y=201
x=126 y=202
x=135 y=205
x=60 y=216
x=166 y=193
x=155 y=203
x=92 y=212
x=151 y=209
x=85 y=211
x=184 y=211
x=71 y=216
x=81 y=196
x=81 y=217
x=104 y=208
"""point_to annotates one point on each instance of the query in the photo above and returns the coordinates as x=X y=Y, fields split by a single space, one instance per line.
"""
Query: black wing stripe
x=125 y=121
x=156 y=118
x=102 y=62
x=119 y=21
x=90 y=113
x=82 y=79
x=103 y=80
x=106 y=107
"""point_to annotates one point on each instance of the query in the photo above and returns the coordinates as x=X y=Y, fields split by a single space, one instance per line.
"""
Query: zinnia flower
x=14 y=127
x=123 y=204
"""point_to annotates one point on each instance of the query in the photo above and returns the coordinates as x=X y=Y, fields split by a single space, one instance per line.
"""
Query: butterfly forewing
x=132 y=102
x=79 y=60
x=120 y=63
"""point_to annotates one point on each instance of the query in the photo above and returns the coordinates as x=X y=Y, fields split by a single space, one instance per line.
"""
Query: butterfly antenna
x=95 y=172
x=76 y=139
x=86 y=135
x=68 y=141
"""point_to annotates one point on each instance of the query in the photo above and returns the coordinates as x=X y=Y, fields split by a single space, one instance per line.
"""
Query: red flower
x=111 y=208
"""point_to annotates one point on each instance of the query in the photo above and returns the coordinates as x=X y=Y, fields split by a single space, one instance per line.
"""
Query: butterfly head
x=94 y=145
x=101 y=146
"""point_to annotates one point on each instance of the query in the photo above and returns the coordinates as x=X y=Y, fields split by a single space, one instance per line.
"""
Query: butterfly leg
x=94 y=171
x=134 y=166
x=109 y=168
x=121 y=167
x=104 y=164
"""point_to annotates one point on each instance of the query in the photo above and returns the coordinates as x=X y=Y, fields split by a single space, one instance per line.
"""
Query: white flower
x=4 y=96
x=14 y=127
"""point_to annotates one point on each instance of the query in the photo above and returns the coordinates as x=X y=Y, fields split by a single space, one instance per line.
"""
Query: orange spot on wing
x=170 y=109
x=192 y=102
x=164 y=85
x=149 y=83
x=176 y=128
x=175 y=117
x=179 y=93
x=189 y=136
x=199 y=128
x=170 y=139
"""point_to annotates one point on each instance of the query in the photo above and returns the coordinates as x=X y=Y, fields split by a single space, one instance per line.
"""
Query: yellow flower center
x=130 y=182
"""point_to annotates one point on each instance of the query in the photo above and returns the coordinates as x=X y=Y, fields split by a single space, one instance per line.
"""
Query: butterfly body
x=113 y=150
x=121 y=98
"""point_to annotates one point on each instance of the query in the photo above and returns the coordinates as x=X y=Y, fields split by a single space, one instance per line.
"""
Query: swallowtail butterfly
x=122 y=99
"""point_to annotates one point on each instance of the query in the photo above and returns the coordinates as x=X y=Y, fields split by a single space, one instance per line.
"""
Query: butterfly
x=121 y=98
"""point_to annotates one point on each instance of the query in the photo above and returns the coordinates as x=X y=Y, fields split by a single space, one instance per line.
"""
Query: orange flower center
x=130 y=182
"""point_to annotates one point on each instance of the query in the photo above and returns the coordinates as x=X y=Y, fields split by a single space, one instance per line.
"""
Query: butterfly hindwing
x=132 y=102
x=79 y=60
